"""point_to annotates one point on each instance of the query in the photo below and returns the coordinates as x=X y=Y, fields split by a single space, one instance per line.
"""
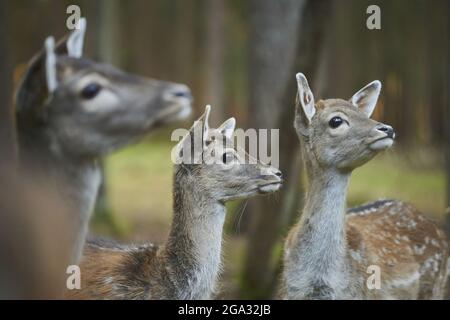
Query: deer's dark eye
x=335 y=122
x=91 y=90
x=227 y=157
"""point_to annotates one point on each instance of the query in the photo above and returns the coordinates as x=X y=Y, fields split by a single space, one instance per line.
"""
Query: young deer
x=187 y=266
x=71 y=111
x=328 y=253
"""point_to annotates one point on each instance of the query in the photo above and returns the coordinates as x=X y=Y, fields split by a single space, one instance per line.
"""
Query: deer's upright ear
x=227 y=128
x=305 y=101
x=204 y=122
x=50 y=65
x=32 y=89
x=200 y=128
x=75 y=40
x=190 y=149
x=366 y=98
x=38 y=79
x=304 y=108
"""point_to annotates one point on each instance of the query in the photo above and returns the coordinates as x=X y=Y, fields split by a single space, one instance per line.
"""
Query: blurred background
x=241 y=57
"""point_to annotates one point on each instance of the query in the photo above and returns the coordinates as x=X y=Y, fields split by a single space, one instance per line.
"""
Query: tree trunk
x=215 y=60
x=272 y=50
x=273 y=89
x=8 y=148
x=106 y=49
x=108 y=45
x=446 y=143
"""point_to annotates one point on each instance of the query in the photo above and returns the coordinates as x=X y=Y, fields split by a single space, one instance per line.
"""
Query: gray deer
x=188 y=264
x=382 y=250
x=72 y=111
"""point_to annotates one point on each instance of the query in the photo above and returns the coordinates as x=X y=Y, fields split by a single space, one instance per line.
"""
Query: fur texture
x=187 y=266
x=328 y=252
x=86 y=110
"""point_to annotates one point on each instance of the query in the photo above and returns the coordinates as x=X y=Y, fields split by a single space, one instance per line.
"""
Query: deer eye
x=91 y=90
x=335 y=122
x=227 y=157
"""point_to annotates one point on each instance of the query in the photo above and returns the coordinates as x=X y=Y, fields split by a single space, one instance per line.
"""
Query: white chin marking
x=185 y=112
x=182 y=113
x=270 y=187
x=382 y=144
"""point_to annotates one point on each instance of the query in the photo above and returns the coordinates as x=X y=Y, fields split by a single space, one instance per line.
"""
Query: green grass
x=389 y=176
x=139 y=184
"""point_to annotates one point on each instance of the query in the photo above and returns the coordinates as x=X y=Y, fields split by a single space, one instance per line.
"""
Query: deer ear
x=366 y=98
x=204 y=122
x=201 y=124
x=50 y=64
x=227 y=128
x=75 y=40
x=305 y=104
x=190 y=149
x=32 y=90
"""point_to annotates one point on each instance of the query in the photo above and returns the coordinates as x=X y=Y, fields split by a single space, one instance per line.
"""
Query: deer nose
x=388 y=130
x=269 y=172
x=180 y=91
x=278 y=174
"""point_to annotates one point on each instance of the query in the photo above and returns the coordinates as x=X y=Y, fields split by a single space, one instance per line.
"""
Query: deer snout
x=388 y=130
x=179 y=97
x=382 y=137
x=272 y=179
x=179 y=91
x=271 y=173
x=278 y=174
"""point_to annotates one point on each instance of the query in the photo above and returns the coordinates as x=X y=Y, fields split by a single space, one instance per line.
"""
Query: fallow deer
x=330 y=253
x=188 y=264
x=71 y=111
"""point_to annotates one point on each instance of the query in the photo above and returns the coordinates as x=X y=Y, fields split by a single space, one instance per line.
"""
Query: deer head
x=210 y=160
x=337 y=133
x=88 y=108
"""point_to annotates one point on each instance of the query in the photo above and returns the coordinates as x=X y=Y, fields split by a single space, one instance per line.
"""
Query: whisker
x=238 y=225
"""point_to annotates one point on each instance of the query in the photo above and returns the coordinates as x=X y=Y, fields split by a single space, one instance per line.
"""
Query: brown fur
x=331 y=254
x=404 y=243
x=108 y=272
x=64 y=133
x=188 y=264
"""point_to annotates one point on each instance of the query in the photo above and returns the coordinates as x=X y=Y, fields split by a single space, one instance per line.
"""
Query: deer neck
x=320 y=246
x=76 y=180
x=323 y=217
x=194 y=246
